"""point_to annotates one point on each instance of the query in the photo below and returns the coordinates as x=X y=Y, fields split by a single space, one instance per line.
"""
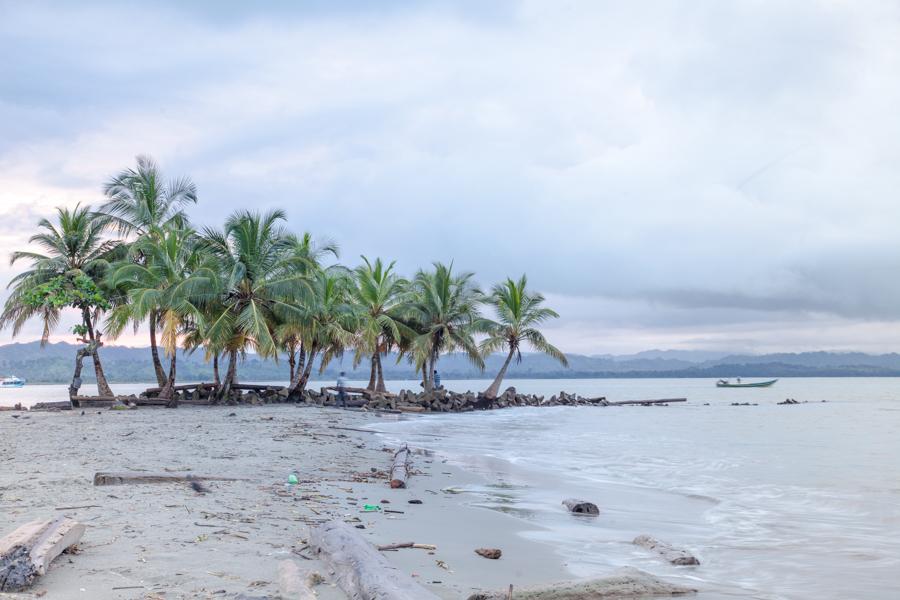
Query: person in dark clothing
x=342 y=389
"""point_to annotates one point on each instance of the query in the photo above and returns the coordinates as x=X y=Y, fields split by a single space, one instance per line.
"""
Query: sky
x=706 y=175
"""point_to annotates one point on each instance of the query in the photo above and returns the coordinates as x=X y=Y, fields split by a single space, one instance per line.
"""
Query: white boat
x=11 y=382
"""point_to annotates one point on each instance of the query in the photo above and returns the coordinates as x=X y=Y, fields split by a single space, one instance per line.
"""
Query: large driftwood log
x=292 y=585
x=141 y=478
x=581 y=507
x=27 y=552
x=676 y=556
x=400 y=467
x=626 y=582
x=359 y=570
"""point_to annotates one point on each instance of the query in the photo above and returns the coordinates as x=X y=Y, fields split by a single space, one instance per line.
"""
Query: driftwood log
x=359 y=570
x=400 y=467
x=138 y=478
x=626 y=582
x=292 y=585
x=581 y=507
x=676 y=556
x=27 y=552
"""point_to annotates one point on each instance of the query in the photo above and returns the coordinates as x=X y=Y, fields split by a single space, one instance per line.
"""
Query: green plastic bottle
x=292 y=479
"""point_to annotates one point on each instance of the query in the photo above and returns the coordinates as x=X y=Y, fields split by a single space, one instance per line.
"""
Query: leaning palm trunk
x=304 y=378
x=380 y=386
x=494 y=388
x=154 y=351
x=294 y=390
x=230 y=376
x=168 y=390
x=103 y=388
x=373 y=372
x=216 y=379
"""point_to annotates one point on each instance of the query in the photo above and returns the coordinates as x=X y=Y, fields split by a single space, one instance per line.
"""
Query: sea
x=796 y=501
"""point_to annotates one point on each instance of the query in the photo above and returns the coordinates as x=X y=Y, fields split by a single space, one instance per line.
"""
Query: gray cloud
x=728 y=166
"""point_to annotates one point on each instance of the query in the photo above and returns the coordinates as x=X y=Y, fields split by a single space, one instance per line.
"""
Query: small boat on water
x=725 y=383
x=11 y=382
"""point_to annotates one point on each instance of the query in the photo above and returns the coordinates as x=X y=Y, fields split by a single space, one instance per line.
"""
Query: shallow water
x=778 y=502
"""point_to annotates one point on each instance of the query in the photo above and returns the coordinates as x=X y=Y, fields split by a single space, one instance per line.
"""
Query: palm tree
x=305 y=258
x=518 y=312
x=328 y=321
x=382 y=299
x=175 y=281
x=445 y=309
x=140 y=202
x=68 y=274
x=259 y=277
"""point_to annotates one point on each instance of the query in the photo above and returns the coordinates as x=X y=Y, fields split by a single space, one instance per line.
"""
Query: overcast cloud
x=678 y=175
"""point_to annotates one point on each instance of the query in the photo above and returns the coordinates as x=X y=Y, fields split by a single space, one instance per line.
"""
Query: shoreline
x=176 y=543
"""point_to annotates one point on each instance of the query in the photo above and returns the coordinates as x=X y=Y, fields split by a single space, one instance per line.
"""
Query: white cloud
x=723 y=171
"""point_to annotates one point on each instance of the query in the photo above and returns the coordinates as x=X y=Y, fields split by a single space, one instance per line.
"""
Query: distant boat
x=724 y=383
x=11 y=382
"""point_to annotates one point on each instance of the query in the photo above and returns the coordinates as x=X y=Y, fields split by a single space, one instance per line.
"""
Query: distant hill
x=54 y=364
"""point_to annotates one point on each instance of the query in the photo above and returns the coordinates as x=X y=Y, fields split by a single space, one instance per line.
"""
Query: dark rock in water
x=491 y=553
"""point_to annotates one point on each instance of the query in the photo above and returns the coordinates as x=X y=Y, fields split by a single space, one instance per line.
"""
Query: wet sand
x=167 y=541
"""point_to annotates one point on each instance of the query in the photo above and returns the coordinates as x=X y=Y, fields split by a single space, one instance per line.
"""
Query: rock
x=491 y=553
x=581 y=507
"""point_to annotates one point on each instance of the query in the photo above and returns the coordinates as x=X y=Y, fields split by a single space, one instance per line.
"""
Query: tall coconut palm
x=305 y=258
x=141 y=202
x=259 y=278
x=175 y=281
x=382 y=299
x=68 y=273
x=445 y=308
x=328 y=321
x=518 y=312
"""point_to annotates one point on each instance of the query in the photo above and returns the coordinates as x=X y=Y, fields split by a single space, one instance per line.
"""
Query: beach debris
x=26 y=553
x=400 y=467
x=360 y=570
x=293 y=585
x=292 y=479
x=199 y=487
x=414 y=501
x=675 y=556
x=371 y=508
x=581 y=507
x=792 y=401
x=491 y=553
x=407 y=545
x=626 y=582
x=139 y=477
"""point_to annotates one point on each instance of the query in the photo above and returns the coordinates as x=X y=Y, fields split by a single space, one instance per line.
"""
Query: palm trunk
x=103 y=388
x=294 y=390
x=168 y=390
x=230 y=376
x=304 y=379
x=154 y=351
x=494 y=388
x=372 y=372
x=216 y=379
x=380 y=387
x=292 y=362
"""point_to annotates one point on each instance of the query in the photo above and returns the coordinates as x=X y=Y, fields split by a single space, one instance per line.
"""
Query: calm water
x=778 y=502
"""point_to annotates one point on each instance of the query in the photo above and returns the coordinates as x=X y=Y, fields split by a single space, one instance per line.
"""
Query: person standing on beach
x=342 y=389
x=437 y=380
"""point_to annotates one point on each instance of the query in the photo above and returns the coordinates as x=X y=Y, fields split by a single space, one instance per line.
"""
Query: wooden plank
x=138 y=478
x=26 y=553
x=359 y=570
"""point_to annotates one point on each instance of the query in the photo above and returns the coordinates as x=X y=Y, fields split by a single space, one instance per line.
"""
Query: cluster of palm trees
x=252 y=286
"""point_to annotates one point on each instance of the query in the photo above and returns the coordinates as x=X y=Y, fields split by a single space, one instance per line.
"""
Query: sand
x=167 y=541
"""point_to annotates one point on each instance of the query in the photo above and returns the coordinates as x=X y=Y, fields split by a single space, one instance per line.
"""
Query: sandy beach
x=168 y=541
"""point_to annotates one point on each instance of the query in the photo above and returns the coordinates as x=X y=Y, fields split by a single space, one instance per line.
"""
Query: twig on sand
x=77 y=507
